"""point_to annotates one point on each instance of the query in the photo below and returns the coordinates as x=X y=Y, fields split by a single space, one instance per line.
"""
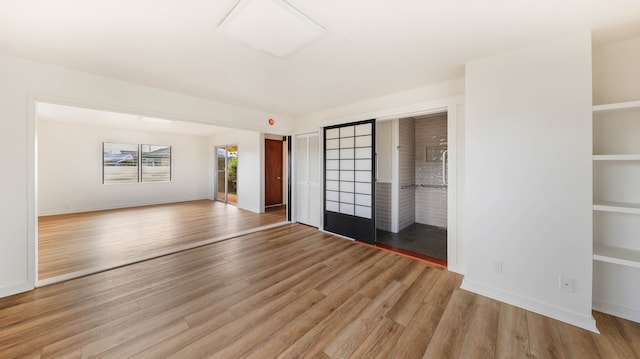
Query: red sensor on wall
x=271 y=122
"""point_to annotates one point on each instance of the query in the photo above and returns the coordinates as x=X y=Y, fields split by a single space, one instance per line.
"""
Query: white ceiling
x=371 y=48
x=90 y=117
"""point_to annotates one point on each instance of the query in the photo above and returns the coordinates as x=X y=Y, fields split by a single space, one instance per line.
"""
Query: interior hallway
x=83 y=243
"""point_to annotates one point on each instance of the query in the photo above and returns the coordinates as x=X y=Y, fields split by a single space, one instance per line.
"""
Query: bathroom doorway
x=415 y=223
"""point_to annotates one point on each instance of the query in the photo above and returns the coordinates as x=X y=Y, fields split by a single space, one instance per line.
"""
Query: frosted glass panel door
x=349 y=180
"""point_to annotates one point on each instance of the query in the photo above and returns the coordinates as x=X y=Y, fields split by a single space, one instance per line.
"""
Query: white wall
x=70 y=169
x=529 y=177
x=250 y=167
x=616 y=71
x=397 y=105
x=24 y=82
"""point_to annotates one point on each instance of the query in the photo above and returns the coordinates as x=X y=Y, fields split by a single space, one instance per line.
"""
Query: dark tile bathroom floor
x=418 y=238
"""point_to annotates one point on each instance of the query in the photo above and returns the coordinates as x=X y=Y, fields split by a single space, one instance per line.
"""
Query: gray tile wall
x=430 y=203
x=431 y=206
x=383 y=206
x=407 y=173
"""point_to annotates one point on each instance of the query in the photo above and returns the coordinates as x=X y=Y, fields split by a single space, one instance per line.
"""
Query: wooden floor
x=288 y=292
x=94 y=241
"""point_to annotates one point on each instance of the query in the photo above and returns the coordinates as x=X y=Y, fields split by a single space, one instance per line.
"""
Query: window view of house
x=156 y=163
x=120 y=163
x=133 y=163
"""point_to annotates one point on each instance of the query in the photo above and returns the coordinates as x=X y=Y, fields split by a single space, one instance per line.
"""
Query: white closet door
x=307 y=173
x=315 y=189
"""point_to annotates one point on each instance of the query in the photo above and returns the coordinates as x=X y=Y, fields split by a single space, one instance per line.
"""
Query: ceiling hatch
x=272 y=26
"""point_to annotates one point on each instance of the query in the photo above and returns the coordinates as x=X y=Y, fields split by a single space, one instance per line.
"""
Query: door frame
x=283 y=174
x=226 y=174
x=455 y=108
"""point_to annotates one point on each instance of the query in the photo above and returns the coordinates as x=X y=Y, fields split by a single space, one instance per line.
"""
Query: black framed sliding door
x=349 y=182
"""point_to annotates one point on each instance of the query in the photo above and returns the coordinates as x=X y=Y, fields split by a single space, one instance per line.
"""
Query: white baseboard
x=107 y=208
x=576 y=319
x=250 y=208
x=15 y=289
x=617 y=310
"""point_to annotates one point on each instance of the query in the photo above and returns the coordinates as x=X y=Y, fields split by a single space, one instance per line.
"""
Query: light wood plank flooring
x=94 y=241
x=288 y=292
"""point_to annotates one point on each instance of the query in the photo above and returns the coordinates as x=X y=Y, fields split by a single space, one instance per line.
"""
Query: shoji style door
x=349 y=186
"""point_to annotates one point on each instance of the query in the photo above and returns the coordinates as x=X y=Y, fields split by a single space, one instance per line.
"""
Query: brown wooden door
x=272 y=172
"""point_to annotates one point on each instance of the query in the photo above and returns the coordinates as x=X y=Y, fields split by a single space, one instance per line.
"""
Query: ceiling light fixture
x=272 y=26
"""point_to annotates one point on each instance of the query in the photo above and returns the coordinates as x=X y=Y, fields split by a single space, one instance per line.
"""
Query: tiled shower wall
x=407 y=173
x=383 y=206
x=430 y=202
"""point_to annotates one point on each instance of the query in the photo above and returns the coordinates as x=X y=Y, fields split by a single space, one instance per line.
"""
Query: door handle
x=444 y=166
x=376 y=179
x=278 y=177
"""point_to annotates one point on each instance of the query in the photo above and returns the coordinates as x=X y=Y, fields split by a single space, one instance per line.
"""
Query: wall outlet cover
x=567 y=284
x=496 y=266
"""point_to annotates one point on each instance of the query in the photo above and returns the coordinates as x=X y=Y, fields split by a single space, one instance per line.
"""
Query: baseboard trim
x=15 y=289
x=578 y=320
x=94 y=270
x=617 y=310
x=109 y=208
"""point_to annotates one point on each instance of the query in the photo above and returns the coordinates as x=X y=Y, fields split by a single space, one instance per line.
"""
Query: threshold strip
x=405 y=253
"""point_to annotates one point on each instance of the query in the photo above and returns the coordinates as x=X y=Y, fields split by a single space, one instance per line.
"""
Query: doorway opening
x=415 y=224
x=275 y=173
x=227 y=174
x=114 y=188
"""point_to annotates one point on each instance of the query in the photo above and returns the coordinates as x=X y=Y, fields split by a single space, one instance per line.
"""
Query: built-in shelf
x=621 y=106
x=617 y=255
x=618 y=207
x=616 y=157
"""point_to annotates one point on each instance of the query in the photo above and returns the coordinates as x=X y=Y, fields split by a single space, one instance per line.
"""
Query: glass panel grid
x=348 y=166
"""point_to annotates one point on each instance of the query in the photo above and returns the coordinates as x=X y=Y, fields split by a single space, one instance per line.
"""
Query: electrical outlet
x=567 y=284
x=496 y=266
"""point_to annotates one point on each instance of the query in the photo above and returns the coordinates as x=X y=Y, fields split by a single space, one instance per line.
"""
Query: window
x=120 y=163
x=133 y=163
x=156 y=163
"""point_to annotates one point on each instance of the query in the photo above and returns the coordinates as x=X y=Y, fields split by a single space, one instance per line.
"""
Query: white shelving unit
x=607 y=142
x=616 y=157
x=617 y=207
x=617 y=255
x=620 y=106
